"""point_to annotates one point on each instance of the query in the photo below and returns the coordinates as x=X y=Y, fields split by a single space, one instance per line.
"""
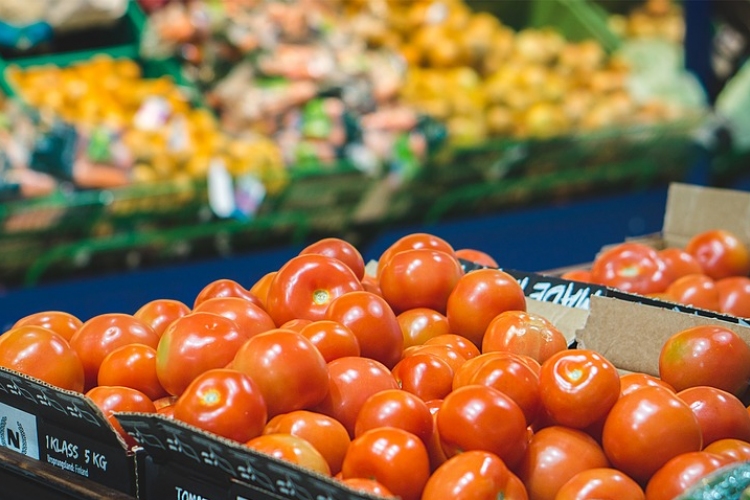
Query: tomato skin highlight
x=604 y=482
x=472 y=475
x=631 y=267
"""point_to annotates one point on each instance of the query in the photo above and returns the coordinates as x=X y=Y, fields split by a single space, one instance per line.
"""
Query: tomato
x=477 y=417
x=720 y=253
x=291 y=448
x=60 y=322
x=364 y=485
x=341 y=250
x=288 y=368
x=472 y=475
x=103 y=334
x=526 y=333
x=736 y=450
x=326 y=434
x=631 y=267
x=260 y=288
x=706 y=355
x=332 y=339
x=425 y=375
x=134 y=366
x=224 y=402
x=351 y=381
x=682 y=472
x=580 y=275
x=697 y=290
x=250 y=318
x=225 y=287
x=596 y=484
x=306 y=285
x=734 y=296
x=395 y=408
x=460 y=344
x=114 y=399
x=373 y=322
x=414 y=241
x=421 y=324
x=194 y=344
x=478 y=297
x=720 y=414
x=445 y=352
x=578 y=387
x=679 y=262
x=633 y=381
x=394 y=457
x=419 y=278
x=477 y=257
x=159 y=313
x=42 y=354
x=646 y=428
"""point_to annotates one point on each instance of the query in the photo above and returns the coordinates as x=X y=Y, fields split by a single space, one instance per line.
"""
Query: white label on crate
x=18 y=431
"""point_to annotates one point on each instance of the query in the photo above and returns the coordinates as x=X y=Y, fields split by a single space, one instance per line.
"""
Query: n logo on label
x=18 y=431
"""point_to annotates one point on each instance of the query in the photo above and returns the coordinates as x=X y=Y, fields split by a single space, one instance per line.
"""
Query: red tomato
x=306 y=285
x=736 y=450
x=578 y=387
x=472 y=475
x=682 y=472
x=460 y=344
x=60 y=322
x=630 y=382
x=194 y=344
x=250 y=318
x=419 y=278
x=288 y=368
x=111 y=400
x=631 y=267
x=580 y=275
x=326 y=434
x=332 y=339
x=706 y=355
x=394 y=457
x=43 y=354
x=647 y=428
x=697 y=290
x=103 y=334
x=445 y=352
x=351 y=381
x=734 y=296
x=526 y=333
x=414 y=241
x=596 y=484
x=363 y=485
x=341 y=250
x=720 y=253
x=477 y=417
x=133 y=366
x=478 y=297
x=373 y=322
x=225 y=402
x=720 y=414
x=159 y=313
x=477 y=257
x=260 y=288
x=421 y=324
x=225 y=288
x=295 y=324
x=467 y=370
x=425 y=375
x=395 y=408
x=292 y=449
x=679 y=262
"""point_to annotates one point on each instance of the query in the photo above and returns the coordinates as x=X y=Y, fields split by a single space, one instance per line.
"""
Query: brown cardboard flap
x=567 y=319
x=631 y=335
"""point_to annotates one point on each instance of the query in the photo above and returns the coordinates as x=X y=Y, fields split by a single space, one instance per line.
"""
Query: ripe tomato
x=326 y=434
x=395 y=408
x=706 y=355
x=419 y=278
x=103 y=334
x=414 y=241
x=470 y=367
x=578 y=387
x=134 y=366
x=477 y=417
x=631 y=267
x=373 y=322
x=682 y=472
x=734 y=296
x=580 y=275
x=306 y=285
x=720 y=253
x=478 y=297
x=720 y=414
x=555 y=454
x=394 y=457
x=736 y=450
x=697 y=290
x=225 y=287
x=225 y=402
x=341 y=250
x=351 y=381
x=194 y=344
x=250 y=318
x=111 y=400
x=43 y=354
x=421 y=324
x=477 y=257
x=288 y=368
x=472 y=475
x=604 y=482
x=260 y=287
x=445 y=352
x=679 y=262
x=646 y=428
x=364 y=485
x=159 y=313
x=526 y=333
x=424 y=375
x=332 y=339
x=633 y=381
x=60 y=322
x=460 y=344
x=291 y=448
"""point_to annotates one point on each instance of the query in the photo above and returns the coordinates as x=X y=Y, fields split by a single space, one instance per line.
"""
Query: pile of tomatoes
x=416 y=380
